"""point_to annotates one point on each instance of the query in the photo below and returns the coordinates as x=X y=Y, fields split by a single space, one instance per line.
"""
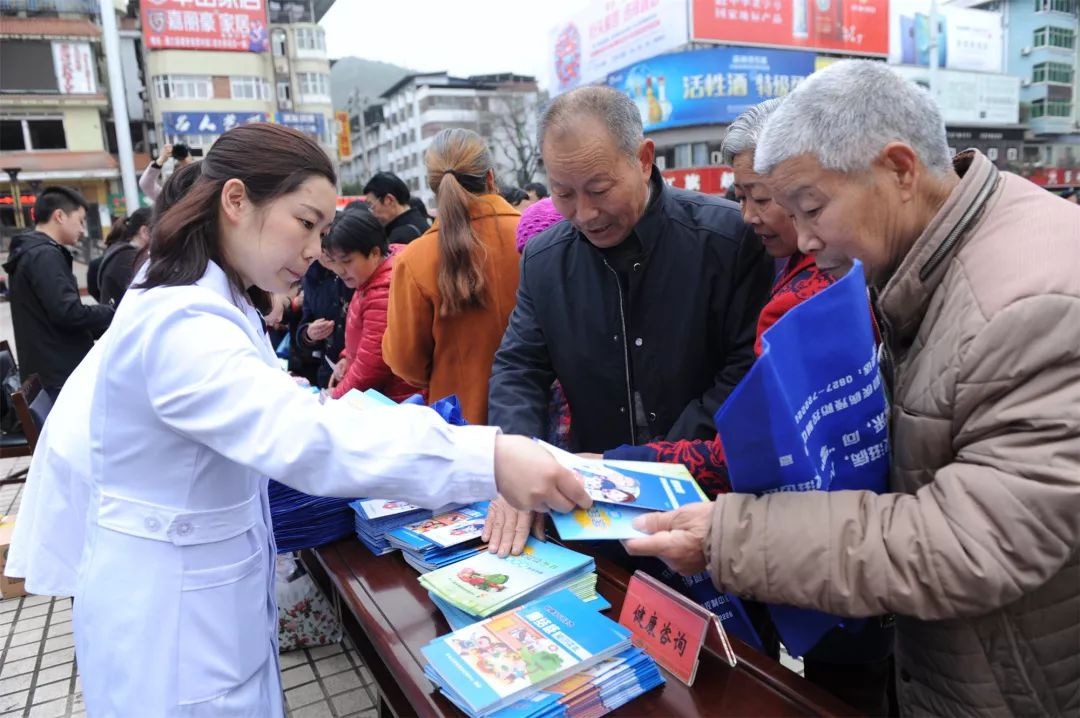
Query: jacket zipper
x=626 y=356
x=961 y=226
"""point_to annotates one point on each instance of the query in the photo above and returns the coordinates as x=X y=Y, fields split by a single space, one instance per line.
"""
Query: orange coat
x=453 y=355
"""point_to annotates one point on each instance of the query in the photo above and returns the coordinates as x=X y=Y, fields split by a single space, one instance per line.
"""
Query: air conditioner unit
x=1025 y=51
x=1025 y=83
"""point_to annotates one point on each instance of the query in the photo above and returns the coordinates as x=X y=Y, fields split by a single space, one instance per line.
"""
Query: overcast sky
x=465 y=37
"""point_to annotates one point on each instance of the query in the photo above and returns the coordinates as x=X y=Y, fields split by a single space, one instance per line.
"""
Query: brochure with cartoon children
x=443 y=530
x=485 y=583
x=638 y=484
x=381 y=508
x=601 y=521
x=491 y=664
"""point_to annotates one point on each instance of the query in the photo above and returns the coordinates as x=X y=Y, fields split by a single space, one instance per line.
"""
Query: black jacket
x=115 y=272
x=667 y=345
x=406 y=227
x=53 y=328
x=325 y=297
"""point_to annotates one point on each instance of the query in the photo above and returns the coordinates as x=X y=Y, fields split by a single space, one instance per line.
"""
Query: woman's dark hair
x=356 y=231
x=270 y=160
x=175 y=187
x=418 y=204
x=127 y=227
x=514 y=196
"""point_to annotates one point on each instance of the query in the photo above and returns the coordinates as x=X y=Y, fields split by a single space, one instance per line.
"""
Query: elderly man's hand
x=676 y=537
x=506 y=529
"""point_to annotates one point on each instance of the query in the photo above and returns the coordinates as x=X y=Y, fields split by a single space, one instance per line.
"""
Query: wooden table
x=390 y=618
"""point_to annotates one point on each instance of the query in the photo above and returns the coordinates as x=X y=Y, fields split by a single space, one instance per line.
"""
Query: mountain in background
x=370 y=77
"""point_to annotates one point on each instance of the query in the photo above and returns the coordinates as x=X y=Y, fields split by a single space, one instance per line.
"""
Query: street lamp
x=13 y=176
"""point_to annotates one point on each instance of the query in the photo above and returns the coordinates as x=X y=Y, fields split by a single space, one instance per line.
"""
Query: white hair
x=743 y=134
x=844 y=116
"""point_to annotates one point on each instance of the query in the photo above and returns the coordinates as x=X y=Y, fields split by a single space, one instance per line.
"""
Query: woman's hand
x=530 y=478
x=339 y=372
x=319 y=329
x=165 y=156
x=506 y=529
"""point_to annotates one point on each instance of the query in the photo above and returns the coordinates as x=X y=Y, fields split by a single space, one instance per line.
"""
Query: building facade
x=393 y=133
x=55 y=117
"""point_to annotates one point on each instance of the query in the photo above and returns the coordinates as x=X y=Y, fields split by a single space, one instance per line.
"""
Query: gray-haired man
x=643 y=304
x=978 y=296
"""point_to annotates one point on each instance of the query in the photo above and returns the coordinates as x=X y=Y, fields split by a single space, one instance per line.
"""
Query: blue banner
x=310 y=123
x=207 y=123
x=705 y=87
x=811 y=415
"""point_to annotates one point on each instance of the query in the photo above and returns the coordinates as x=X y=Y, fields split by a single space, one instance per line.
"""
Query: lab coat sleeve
x=207 y=380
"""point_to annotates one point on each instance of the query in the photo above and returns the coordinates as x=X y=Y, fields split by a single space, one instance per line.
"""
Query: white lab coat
x=174 y=605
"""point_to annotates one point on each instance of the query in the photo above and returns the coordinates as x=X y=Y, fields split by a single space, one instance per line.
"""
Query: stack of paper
x=442 y=539
x=593 y=692
x=485 y=584
x=376 y=517
x=496 y=666
x=301 y=521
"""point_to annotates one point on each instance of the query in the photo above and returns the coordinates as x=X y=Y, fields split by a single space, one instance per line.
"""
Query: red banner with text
x=858 y=27
x=229 y=25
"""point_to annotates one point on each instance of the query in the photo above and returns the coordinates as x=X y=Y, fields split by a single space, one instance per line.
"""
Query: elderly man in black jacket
x=53 y=328
x=642 y=304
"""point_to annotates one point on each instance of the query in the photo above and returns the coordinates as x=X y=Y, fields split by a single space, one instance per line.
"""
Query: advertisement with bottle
x=857 y=27
x=704 y=87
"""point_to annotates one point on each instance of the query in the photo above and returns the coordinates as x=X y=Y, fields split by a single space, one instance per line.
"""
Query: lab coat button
x=183 y=529
x=152 y=524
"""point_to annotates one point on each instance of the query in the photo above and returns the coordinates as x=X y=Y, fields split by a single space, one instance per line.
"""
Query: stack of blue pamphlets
x=485 y=584
x=301 y=521
x=375 y=517
x=596 y=691
x=459 y=619
x=443 y=539
x=500 y=666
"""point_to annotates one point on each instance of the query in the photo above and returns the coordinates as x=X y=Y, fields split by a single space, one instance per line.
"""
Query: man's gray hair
x=615 y=109
x=844 y=116
x=743 y=134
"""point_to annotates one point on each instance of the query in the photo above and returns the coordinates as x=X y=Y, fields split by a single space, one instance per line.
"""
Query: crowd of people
x=612 y=316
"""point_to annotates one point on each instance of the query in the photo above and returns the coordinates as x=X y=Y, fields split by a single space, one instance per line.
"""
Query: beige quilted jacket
x=976 y=549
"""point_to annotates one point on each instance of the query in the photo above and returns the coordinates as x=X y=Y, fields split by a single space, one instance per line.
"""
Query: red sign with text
x=668 y=626
x=229 y=25
x=858 y=27
x=710 y=180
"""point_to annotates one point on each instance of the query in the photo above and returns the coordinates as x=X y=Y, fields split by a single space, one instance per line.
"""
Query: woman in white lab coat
x=174 y=610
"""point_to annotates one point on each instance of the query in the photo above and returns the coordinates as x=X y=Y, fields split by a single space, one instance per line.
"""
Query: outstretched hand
x=506 y=529
x=675 y=537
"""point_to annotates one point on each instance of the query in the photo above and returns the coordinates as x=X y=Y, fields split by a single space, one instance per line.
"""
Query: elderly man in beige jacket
x=976 y=274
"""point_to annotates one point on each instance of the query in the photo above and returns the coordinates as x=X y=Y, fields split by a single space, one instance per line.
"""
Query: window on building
x=277 y=42
x=183 y=87
x=1045 y=108
x=1040 y=37
x=700 y=154
x=683 y=156
x=283 y=93
x=32 y=133
x=1065 y=6
x=249 y=88
x=310 y=38
x=314 y=84
x=1063 y=37
x=1056 y=72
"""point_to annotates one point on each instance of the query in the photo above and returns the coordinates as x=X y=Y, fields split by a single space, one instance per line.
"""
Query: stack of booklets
x=555 y=656
x=376 y=517
x=442 y=539
x=485 y=584
x=301 y=521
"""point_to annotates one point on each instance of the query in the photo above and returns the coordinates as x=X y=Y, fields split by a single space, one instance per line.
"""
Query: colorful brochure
x=441 y=531
x=601 y=521
x=493 y=663
x=485 y=584
x=637 y=484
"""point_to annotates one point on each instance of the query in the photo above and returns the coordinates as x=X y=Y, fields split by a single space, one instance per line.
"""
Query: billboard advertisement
x=704 y=87
x=971 y=98
x=73 y=63
x=967 y=39
x=610 y=35
x=229 y=25
x=856 y=27
x=215 y=123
